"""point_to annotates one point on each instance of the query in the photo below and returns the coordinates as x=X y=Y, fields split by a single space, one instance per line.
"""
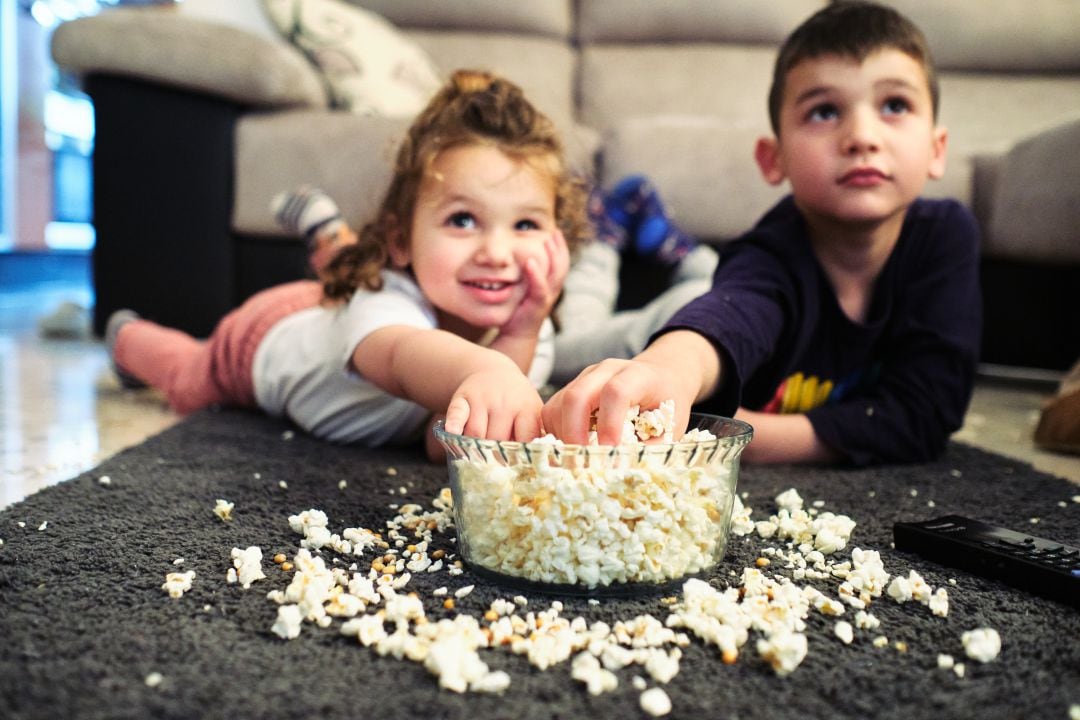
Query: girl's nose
x=495 y=248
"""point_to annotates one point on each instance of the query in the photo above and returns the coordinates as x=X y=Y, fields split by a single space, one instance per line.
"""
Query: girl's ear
x=396 y=245
x=767 y=155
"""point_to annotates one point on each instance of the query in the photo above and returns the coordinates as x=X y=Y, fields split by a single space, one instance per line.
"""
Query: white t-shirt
x=302 y=368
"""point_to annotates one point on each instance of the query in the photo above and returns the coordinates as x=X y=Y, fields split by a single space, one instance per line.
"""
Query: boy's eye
x=522 y=225
x=461 y=220
x=823 y=112
x=895 y=106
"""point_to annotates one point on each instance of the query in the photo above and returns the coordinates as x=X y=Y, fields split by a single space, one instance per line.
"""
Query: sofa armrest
x=156 y=45
x=1036 y=207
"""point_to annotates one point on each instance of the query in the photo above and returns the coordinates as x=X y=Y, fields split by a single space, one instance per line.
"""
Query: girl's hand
x=544 y=277
x=496 y=404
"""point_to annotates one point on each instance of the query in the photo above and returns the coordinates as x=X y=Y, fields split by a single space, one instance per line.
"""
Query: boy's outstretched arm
x=440 y=371
x=680 y=365
x=784 y=439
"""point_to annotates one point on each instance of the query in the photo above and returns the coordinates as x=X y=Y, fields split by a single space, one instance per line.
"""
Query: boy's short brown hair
x=852 y=29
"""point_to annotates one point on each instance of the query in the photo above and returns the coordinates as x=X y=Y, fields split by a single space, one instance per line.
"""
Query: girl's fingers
x=477 y=426
x=526 y=427
x=457 y=414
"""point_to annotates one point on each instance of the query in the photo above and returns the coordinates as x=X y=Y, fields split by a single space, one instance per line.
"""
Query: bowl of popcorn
x=597 y=519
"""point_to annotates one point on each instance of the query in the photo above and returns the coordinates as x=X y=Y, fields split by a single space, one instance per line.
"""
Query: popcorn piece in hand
x=658 y=422
x=982 y=644
x=223 y=509
x=177 y=583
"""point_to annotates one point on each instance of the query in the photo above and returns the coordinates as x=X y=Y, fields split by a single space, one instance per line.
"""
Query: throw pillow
x=369 y=66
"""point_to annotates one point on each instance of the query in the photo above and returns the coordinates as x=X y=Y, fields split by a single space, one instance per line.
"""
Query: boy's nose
x=861 y=135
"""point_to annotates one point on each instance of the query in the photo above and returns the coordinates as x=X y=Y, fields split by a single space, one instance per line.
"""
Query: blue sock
x=625 y=201
x=657 y=236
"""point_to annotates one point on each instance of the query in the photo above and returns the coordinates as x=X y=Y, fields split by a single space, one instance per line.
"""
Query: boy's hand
x=680 y=365
x=544 y=278
x=610 y=388
x=495 y=404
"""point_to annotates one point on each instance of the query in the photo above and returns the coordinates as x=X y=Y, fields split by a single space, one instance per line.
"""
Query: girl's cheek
x=535 y=250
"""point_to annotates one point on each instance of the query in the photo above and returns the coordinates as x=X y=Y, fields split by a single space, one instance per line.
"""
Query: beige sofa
x=200 y=123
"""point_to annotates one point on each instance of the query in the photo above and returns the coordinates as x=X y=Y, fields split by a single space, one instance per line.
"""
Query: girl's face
x=479 y=216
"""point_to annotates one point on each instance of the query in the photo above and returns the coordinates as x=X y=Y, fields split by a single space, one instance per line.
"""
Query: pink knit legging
x=195 y=374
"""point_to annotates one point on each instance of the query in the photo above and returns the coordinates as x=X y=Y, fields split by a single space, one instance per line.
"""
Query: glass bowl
x=594 y=519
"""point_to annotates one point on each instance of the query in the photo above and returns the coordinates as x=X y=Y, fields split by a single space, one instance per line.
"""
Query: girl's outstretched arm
x=492 y=397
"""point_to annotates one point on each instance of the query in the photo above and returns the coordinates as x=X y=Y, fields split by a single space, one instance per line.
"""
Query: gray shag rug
x=84 y=620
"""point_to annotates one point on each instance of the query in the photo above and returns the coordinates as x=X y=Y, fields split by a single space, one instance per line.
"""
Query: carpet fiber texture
x=84 y=620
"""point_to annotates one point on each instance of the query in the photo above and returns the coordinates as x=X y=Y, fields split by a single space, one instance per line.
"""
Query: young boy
x=845 y=325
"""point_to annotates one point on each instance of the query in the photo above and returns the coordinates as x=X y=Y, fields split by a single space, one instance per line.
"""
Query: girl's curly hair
x=473 y=108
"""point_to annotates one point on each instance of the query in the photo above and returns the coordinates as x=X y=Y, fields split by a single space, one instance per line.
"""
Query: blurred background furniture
x=201 y=120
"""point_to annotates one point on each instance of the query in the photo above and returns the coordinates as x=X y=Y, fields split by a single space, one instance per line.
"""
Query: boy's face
x=857 y=140
x=480 y=215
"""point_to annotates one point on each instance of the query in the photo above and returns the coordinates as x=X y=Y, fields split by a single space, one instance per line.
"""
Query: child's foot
x=307 y=212
x=608 y=231
x=117 y=320
x=664 y=241
x=625 y=201
x=657 y=235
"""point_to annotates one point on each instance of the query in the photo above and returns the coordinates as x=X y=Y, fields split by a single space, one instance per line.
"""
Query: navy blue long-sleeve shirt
x=891 y=389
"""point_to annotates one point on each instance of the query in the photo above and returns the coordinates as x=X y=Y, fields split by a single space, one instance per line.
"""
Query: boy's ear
x=937 y=153
x=396 y=245
x=767 y=155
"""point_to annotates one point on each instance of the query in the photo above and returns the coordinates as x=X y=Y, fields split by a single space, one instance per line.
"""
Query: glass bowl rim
x=743 y=434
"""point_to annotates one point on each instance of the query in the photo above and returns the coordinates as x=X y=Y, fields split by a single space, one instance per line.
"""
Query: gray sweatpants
x=591 y=330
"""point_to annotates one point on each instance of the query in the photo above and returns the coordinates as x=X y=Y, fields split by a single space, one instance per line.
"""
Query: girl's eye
x=523 y=225
x=461 y=220
x=823 y=113
x=895 y=106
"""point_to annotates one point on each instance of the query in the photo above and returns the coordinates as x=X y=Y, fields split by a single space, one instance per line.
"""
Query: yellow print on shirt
x=799 y=394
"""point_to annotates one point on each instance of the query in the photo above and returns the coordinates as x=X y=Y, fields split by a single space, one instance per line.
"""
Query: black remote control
x=1036 y=565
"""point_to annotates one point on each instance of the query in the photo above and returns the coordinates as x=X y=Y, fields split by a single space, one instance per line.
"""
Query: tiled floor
x=62 y=412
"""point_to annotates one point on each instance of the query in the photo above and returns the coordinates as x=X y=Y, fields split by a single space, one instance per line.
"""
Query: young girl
x=443 y=299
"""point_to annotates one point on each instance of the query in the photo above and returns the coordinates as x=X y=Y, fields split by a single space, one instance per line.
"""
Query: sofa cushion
x=623 y=80
x=552 y=18
x=986 y=114
x=1043 y=209
x=702 y=165
x=369 y=66
x=999 y=35
x=160 y=45
x=749 y=21
x=545 y=69
x=349 y=156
